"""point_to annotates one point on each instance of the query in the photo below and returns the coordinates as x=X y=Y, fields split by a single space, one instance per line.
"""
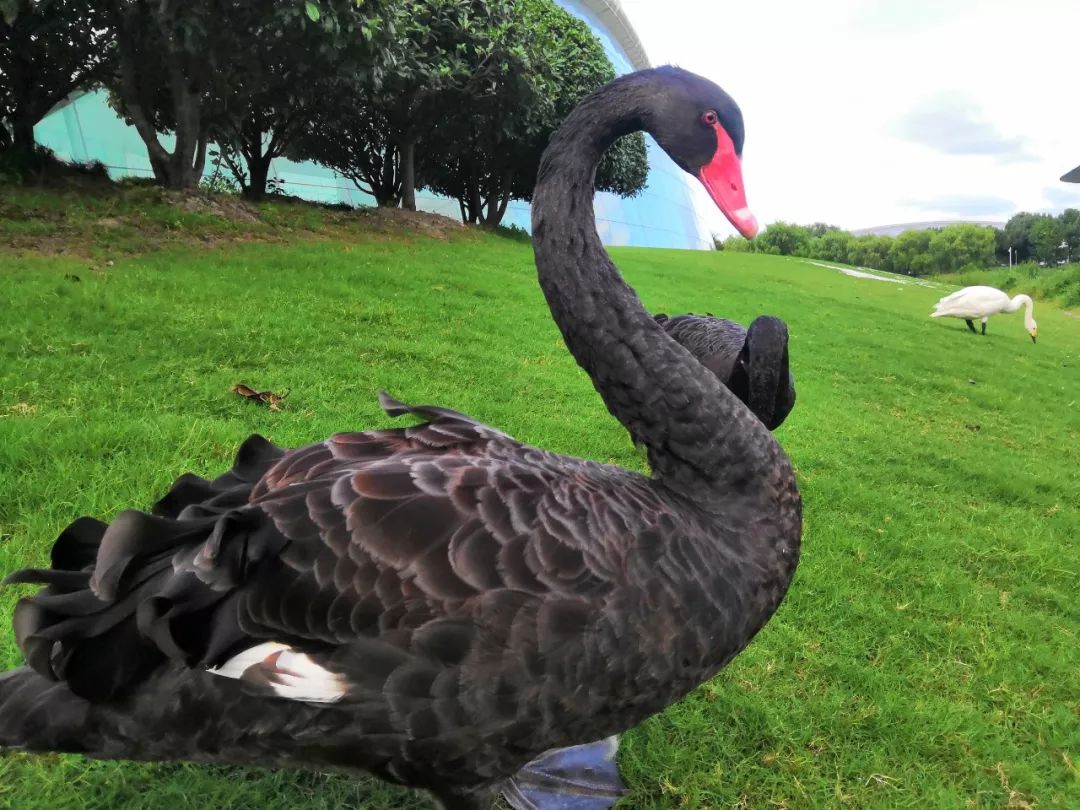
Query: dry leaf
x=268 y=397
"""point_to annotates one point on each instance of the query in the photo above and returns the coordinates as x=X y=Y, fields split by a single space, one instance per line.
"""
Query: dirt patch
x=397 y=220
x=135 y=218
x=226 y=206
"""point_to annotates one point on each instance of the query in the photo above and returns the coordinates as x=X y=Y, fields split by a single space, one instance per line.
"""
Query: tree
x=784 y=239
x=737 y=244
x=169 y=55
x=48 y=50
x=195 y=68
x=1017 y=235
x=373 y=127
x=821 y=228
x=834 y=246
x=1069 y=220
x=291 y=59
x=446 y=51
x=1046 y=237
x=871 y=251
x=356 y=140
x=911 y=253
x=489 y=146
x=957 y=246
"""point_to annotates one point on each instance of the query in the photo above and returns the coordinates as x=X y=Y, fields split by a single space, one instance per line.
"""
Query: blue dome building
x=85 y=128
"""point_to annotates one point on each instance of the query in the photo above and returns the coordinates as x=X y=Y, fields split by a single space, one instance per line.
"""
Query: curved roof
x=611 y=14
x=898 y=228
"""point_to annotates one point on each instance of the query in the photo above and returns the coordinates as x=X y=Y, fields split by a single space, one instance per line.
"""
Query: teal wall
x=86 y=129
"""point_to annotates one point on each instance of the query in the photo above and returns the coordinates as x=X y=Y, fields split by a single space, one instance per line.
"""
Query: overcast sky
x=869 y=112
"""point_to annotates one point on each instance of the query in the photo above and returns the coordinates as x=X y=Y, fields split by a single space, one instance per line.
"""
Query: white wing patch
x=287 y=673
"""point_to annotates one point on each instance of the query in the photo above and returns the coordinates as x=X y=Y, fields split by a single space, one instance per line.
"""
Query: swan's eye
x=710 y=118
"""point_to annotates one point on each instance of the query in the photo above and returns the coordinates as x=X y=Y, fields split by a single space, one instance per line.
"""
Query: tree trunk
x=22 y=134
x=199 y=165
x=257 y=158
x=474 y=204
x=258 y=173
x=408 y=174
x=496 y=210
x=385 y=178
x=183 y=167
x=497 y=202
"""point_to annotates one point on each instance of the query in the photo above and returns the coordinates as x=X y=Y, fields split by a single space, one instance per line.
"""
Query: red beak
x=722 y=178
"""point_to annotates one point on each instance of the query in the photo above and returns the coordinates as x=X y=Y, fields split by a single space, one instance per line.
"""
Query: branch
x=129 y=82
x=278 y=141
x=356 y=182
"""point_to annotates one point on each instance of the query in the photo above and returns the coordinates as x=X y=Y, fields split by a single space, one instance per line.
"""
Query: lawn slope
x=927 y=654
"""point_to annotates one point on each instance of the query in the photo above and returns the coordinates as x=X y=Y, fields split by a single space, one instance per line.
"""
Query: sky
x=869 y=112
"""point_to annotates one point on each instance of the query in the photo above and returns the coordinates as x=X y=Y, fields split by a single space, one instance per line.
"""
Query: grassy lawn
x=928 y=652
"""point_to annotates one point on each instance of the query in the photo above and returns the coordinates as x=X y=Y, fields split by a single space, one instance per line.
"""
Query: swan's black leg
x=971 y=325
x=582 y=777
x=984 y=327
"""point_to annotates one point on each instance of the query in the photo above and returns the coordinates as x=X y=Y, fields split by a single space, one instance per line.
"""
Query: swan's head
x=1029 y=322
x=701 y=129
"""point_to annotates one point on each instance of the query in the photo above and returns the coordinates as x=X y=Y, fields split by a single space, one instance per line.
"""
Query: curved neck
x=699 y=437
x=1021 y=301
x=1026 y=302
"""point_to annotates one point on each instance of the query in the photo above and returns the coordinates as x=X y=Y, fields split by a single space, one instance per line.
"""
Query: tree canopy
x=48 y=50
x=464 y=101
x=459 y=94
x=922 y=252
x=376 y=125
x=293 y=58
x=243 y=74
x=488 y=152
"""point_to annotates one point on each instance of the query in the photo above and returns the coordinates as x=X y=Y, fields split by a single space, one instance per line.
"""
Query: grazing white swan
x=982 y=302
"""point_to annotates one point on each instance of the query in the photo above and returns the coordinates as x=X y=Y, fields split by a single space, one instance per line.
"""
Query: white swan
x=982 y=302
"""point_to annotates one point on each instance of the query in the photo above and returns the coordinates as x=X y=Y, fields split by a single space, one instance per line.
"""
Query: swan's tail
x=104 y=620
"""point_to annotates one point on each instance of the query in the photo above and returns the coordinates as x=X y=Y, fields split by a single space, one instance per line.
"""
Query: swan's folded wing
x=951 y=297
x=448 y=594
x=714 y=342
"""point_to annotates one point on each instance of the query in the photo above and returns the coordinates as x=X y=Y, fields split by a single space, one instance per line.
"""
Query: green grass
x=927 y=654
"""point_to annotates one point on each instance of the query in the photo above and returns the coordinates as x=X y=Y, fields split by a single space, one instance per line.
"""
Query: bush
x=737 y=244
x=514 y=232
x=41 y=166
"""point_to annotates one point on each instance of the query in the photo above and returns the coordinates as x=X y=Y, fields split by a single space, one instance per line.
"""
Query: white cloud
x=951 y=124
x=1062 y=195
x=824 y=85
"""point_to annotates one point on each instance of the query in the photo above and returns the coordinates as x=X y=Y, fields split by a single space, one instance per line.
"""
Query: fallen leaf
x=268 y=397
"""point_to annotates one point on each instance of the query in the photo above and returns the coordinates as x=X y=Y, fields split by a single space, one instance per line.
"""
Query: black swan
x=439 y=604
x=752 y=362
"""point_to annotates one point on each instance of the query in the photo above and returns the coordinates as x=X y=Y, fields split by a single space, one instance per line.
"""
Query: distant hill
x=896 y=230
